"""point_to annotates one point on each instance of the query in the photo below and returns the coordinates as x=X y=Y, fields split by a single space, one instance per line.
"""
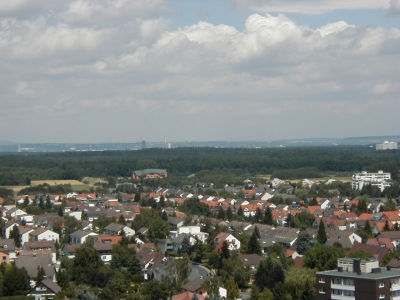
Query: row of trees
x=291 y=162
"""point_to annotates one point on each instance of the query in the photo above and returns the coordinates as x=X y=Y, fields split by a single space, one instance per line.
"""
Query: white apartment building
x=379 y=179
x=386 y=145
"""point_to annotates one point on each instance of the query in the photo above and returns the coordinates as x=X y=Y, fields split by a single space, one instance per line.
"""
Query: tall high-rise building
x=143 y=144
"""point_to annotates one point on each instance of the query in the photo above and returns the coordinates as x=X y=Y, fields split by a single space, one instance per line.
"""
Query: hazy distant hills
x=8 y=146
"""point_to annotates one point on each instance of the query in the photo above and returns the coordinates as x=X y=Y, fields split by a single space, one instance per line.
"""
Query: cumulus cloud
x=309 y=6
x=201 y=81
x=394 y=7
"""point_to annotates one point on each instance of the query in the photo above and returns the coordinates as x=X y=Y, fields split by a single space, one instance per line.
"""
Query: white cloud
x=394 y=7
x=200 y=80
x=310 y=6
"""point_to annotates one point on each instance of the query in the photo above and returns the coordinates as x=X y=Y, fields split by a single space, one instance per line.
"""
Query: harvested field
x=16 y=188
x=56 y=182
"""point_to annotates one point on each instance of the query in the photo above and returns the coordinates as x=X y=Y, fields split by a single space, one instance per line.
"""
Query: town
x=271 y=240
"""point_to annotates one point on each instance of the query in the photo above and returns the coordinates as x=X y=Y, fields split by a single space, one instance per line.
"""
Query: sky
x=92 y=71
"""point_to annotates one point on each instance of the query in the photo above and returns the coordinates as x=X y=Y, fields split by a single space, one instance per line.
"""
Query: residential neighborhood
x=165 y=228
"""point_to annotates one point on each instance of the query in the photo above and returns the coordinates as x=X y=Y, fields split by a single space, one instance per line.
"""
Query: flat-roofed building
x=358 y=279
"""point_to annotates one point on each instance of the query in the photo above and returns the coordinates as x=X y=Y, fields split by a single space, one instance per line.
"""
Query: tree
x=257 y=216
x=229 y=214
x=254 y=245
x=15 y=282
x=321 y=237
x=240 y=211
x=41 y=203
x=268 y=216
x=232 y=289
x=308 y=292
x=122 y=220
x=40 y=275
x=158 y=229
x=386 y=227
x=60 y=211
x=164 y=216
x=225 y=253
x=137 y=197
x=185 y=246
x=257 y=232
x=282 y=259
x=155 y=290
x=296 y=279
x=279 y=291
x=255 y=292
x=86 y=259
x=211 y=285
x=14 y=234
x=303 y=242
x=49 y=205
x=177 y=272
x=162 y=201
x=360 y=254
x=82 y=292
x=323 y=257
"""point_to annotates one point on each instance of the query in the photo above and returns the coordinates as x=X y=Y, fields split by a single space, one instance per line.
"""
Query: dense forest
x=285 y=163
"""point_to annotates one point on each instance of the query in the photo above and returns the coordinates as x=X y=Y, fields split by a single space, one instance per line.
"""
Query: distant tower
x=143 y=144
x=165 y=141
x=19 y=147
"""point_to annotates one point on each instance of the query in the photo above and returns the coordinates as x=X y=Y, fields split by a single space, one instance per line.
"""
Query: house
x=394 y=237
x=346 y=238
x=377 y=251
x=149 y=173
x=284 y=236
x=39 y=234
x=193 y=232
x=40 y=246
x=187 y=295
x=69 y=250
x=32 y=261
x=175 y=222
x=4 y=257
x=14 y=212
x=80 y=236
x=46 y=289
x=115 y=229
x=381 y=242
x=233 y=243
x=251 y=260
x=8 y=246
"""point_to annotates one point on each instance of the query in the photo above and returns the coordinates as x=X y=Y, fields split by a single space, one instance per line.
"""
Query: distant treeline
x=284 y=163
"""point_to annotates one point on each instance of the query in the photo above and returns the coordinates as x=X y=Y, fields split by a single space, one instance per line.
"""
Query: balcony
x=394 y=287
x=343 y=287
x=339 y=297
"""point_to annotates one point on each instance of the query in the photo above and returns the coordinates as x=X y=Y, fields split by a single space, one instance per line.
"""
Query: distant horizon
x=373 y=137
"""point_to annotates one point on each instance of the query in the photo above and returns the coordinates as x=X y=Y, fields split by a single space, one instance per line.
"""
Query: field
x=16 y=188
x=56 y=182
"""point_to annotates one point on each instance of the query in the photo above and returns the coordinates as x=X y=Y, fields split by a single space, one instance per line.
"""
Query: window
x=381 y=296
x=322 y=291
x=321 y=280
x=381 y=284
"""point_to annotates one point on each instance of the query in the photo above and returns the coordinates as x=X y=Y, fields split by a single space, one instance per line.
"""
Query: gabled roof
x=49 y=284
x=378 y=252
x=114 y=227
x=194 y=285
